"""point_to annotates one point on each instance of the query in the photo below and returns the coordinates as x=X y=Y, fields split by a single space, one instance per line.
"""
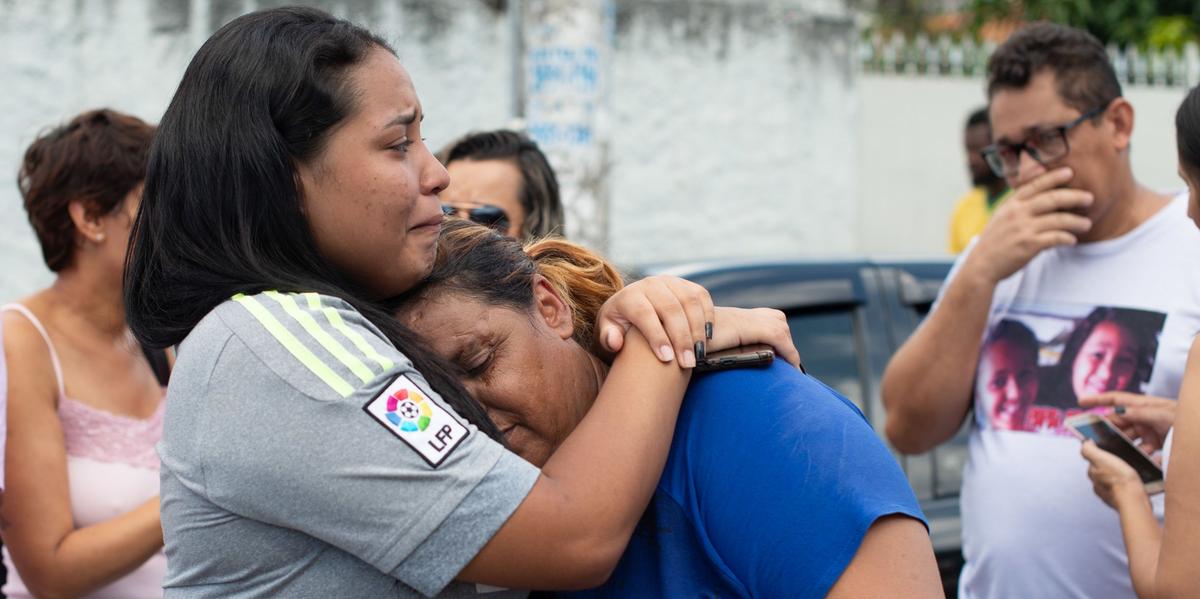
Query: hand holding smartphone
x=752 y=356
x=1096 y=428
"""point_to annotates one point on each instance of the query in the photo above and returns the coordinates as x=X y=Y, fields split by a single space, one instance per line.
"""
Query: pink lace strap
x=37 y=324
x=107 y=437
x=97 y=434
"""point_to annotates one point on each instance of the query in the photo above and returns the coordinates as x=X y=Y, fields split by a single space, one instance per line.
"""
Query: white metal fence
x=947 y=57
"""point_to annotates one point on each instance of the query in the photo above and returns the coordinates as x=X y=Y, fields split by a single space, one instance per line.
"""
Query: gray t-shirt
x=303 y=456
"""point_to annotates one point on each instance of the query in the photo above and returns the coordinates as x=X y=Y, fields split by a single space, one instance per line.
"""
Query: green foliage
x=1143 y=23
x=907 y=16
x=1171 y=32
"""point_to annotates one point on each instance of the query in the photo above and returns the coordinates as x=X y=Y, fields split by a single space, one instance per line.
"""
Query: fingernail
x=701 y=351
x=612 y=338
x=665 y=354
x=1119 y=410
x=688 y=360
x=708 y=331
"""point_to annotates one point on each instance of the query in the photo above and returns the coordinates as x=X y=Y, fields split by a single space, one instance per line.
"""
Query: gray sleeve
x=469 y=527
x=328 y=468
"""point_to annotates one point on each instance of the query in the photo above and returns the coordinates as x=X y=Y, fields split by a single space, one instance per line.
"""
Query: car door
x=825 y=303
x=908 y=291
x=846 y=318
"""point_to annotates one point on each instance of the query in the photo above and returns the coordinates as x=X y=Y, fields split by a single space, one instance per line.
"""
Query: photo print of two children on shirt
x=1036 y=362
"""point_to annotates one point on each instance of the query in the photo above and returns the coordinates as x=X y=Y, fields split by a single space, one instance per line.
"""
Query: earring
x=99 y=238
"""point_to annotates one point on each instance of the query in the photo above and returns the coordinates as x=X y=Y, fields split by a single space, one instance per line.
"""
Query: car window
x=828 y=347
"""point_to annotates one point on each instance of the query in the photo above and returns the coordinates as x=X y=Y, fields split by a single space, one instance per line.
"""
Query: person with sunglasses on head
x=312 y=446
x=1077 y=232
x=501 y=179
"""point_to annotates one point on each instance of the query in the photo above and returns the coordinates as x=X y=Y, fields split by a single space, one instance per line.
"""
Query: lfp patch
x=407 y=411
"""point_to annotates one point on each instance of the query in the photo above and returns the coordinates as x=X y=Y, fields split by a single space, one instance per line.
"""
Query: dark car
x=847 y=318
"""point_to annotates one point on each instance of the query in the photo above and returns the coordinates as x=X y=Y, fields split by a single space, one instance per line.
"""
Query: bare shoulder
x=29 y=369
x=895 y=559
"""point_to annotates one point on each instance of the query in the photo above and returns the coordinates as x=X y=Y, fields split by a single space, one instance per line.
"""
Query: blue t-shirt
x=770 y=486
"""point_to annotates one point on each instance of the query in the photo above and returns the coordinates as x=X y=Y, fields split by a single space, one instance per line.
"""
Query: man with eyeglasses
x=1077 y=232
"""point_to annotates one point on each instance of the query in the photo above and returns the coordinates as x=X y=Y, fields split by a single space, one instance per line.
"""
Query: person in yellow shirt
x=974 y=209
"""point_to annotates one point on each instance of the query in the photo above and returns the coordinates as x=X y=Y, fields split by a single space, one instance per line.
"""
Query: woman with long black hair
x=1162 y=559
x=313 y=446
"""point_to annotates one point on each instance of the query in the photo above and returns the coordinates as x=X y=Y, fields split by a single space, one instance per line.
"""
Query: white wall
x=732 y=132
x=735 y=128
x=60 y=57
x=729 y=121
x=53 y=67
x=912 y=168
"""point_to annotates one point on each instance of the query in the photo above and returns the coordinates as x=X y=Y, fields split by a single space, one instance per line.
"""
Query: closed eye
x=479 y=365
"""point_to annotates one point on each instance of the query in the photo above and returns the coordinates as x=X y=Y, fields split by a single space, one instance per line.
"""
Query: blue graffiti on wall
x=563 y=68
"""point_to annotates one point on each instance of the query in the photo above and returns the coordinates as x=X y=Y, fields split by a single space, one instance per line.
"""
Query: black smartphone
x=755 y=356
x=1111 y=439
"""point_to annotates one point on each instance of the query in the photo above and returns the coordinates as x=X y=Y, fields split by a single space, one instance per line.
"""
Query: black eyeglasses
x=1044 y=146
x=487 y=215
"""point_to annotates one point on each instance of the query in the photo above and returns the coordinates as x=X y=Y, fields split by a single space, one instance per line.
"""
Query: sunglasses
x=487 y=215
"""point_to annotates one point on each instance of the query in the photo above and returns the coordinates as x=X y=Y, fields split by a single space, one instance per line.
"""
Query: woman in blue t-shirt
x=775 y=485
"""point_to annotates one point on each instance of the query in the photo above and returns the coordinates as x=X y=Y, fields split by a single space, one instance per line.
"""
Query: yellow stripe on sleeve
x=322 y=336
x=293 y=345
x=335 y=320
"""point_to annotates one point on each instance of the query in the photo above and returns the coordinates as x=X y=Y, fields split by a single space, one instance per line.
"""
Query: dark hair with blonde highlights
x=480 y=263
x=583 y=279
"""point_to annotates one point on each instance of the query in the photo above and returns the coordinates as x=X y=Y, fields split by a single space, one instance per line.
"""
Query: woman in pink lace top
x=80 y=509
